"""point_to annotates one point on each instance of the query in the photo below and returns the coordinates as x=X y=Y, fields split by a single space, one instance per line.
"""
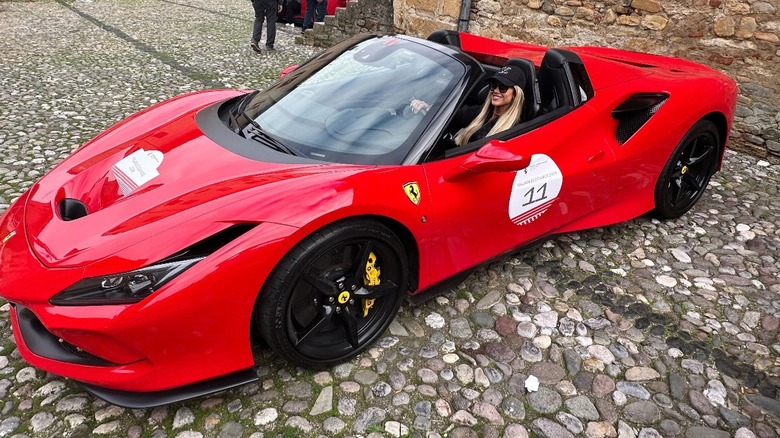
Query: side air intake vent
x=633 y=113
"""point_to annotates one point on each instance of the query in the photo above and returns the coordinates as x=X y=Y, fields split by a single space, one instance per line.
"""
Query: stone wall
x=738 y=37
x=358 y=16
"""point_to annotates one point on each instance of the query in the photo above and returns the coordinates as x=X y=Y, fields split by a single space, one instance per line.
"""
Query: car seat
x=533 y=99
x=557 y=86
x=445 y=37
x=532 y=102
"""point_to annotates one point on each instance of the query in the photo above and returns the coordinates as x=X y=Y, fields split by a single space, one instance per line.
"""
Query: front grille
x=78 y=351
x=43 y=343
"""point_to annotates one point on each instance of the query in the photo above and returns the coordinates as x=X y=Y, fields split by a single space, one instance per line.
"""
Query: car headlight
x=126 y=288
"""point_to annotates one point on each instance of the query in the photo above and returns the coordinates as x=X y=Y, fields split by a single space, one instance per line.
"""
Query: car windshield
x=351 y=105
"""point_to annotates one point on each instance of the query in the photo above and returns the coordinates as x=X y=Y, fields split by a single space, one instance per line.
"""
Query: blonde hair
x=505 y=121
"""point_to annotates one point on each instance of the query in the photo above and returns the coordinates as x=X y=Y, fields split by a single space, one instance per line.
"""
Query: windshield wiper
x=233 y=122
x=237 y=117
x=259 y=135
x=238 y=110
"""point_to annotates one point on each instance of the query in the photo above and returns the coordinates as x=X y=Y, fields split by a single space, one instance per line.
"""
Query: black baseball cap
x=509 y=76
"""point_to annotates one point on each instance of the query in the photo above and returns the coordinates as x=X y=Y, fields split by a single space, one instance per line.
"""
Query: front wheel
x=334 y=294
x=688 y=171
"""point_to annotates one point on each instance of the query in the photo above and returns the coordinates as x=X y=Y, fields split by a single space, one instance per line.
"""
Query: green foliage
x=292 y=432
x=375 y=427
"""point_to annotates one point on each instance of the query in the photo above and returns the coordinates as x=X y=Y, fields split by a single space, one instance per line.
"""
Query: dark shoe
x=255 y=47
x=270 y=48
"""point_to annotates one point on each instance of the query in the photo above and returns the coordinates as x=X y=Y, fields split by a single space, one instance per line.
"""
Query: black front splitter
x=141 y=400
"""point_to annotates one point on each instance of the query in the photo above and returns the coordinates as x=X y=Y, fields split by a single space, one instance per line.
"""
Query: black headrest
x=446 y=37
x=556 y=81
x=556 y=58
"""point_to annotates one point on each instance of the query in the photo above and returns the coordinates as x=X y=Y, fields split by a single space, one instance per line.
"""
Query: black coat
x=467 y=114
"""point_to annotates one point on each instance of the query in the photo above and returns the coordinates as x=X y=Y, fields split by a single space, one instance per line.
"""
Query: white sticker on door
x=534 y=189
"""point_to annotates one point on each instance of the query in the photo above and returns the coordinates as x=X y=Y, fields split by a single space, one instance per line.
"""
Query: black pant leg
x=270 y=18
x=257 y=28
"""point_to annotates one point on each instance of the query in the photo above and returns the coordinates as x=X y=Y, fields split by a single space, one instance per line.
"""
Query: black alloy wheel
x=334 y=294
x=688 y=171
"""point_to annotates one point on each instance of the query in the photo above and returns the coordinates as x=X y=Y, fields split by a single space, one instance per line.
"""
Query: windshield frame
x=464 y=69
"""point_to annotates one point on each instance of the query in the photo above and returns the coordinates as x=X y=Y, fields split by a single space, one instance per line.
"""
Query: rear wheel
x=688 y=171
x=334 y=294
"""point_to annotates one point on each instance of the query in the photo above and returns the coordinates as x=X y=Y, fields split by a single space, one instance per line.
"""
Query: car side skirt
x=440 y=287
x=450 y=283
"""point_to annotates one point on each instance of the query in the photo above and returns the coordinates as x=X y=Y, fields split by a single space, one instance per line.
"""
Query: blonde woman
x=501 y=110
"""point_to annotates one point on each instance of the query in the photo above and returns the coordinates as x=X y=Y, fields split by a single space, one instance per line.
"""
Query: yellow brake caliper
x=371 y=279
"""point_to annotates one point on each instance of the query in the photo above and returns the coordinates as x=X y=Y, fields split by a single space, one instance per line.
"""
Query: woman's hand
x=418 y=105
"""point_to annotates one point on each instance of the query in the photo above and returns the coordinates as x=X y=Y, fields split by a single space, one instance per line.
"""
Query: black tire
x=688 y=171
x=309 y=320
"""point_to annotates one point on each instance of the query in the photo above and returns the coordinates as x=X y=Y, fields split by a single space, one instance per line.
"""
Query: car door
x=507 y=193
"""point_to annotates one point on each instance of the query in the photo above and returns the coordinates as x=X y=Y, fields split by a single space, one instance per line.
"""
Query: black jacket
x=467 y=114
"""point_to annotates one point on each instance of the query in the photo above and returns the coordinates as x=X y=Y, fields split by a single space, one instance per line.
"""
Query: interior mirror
x=492 y=157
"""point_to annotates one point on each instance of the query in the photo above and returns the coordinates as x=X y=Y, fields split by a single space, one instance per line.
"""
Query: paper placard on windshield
x=136 y=169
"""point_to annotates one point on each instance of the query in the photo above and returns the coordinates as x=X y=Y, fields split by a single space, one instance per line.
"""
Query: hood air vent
x=71 y=209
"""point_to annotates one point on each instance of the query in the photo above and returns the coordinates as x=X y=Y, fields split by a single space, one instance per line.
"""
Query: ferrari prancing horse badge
x=412 y=191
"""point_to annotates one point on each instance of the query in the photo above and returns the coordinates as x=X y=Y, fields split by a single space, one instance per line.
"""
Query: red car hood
x=196 y=179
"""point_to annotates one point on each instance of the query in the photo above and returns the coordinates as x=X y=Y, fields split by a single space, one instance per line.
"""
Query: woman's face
x=498 y=98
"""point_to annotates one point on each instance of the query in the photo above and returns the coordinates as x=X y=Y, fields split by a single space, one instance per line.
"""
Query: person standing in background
x=290 y=9
x=265 y=10
x=315 y=11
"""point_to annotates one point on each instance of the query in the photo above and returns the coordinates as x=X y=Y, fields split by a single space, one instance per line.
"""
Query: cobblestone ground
x=641 y=329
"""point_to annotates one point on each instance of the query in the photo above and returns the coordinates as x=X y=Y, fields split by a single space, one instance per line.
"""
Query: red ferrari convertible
x=307 y=212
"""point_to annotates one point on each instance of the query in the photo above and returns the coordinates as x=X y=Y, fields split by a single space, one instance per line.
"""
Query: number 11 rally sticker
x=534 y=189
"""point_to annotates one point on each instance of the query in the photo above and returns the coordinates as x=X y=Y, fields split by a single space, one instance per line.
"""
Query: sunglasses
x=501 y=87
